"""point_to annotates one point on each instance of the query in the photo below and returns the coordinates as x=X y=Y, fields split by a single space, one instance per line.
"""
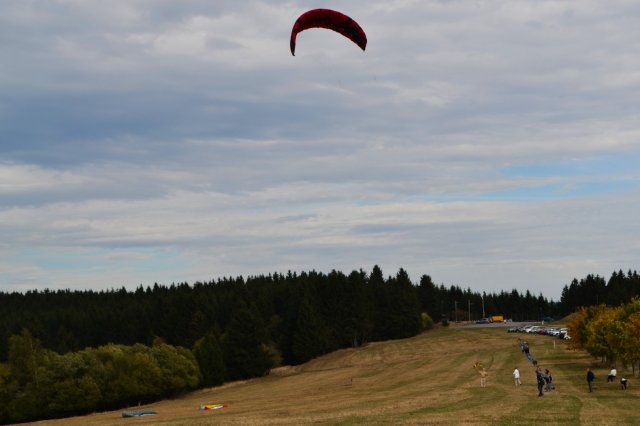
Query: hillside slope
x=427 y=379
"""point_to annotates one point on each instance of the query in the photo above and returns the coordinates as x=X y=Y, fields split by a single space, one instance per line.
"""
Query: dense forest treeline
x=350 y=308
x=53 y=343
x=621 y=288
x=346 y=310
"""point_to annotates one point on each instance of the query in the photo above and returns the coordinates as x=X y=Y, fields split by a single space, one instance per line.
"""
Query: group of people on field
x=544 y=379
x=611 y=377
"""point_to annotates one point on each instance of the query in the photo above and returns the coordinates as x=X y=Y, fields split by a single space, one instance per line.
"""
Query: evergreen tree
x=405 y=306
x=309 y=335
x=429 y=299
x=361 y=319
x=243 y=345
x=398 y=308
x=208 y=353
x=381 y=304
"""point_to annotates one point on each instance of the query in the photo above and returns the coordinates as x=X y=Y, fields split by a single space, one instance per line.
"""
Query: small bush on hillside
x=426 y=321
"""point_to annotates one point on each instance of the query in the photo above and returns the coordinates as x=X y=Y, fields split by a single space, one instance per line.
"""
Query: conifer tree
x=208 y=353
x=309 y=333
x=243 y=346
x=405 y=309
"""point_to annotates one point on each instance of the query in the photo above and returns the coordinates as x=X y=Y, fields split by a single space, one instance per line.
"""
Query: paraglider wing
x=332 y=20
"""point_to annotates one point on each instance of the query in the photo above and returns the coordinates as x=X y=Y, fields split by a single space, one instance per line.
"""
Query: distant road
x=494 y=324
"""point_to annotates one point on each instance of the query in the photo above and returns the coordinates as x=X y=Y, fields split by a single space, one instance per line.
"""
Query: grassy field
x=428 y=379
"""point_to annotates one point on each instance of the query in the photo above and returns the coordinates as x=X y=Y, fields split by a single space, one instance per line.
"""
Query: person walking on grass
x=549 y=380
x=590 y=378
x=612 y=374
x=516 y=376
x=483 y=377
x=539 y=380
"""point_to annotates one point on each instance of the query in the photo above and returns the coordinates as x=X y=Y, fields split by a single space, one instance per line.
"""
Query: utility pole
x=483 y=315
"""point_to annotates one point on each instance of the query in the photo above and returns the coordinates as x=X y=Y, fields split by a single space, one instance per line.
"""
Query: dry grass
x=428 y=379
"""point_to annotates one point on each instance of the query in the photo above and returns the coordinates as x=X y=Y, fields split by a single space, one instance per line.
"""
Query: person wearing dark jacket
x=540 y=380
x=590 y=378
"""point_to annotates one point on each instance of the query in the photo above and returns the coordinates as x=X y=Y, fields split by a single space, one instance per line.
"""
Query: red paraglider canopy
x=332 y=20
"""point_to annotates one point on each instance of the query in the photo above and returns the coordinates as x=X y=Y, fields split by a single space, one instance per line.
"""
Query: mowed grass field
x=427 y=379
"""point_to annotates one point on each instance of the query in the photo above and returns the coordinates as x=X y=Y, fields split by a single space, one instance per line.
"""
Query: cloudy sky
x=490 y=144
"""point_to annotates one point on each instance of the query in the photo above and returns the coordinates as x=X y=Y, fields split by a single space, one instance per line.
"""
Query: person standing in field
x=612 y=374
x=516 y=376
x=483 y=377
x=549 y=380
x=539 y=380
x=590 y=378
